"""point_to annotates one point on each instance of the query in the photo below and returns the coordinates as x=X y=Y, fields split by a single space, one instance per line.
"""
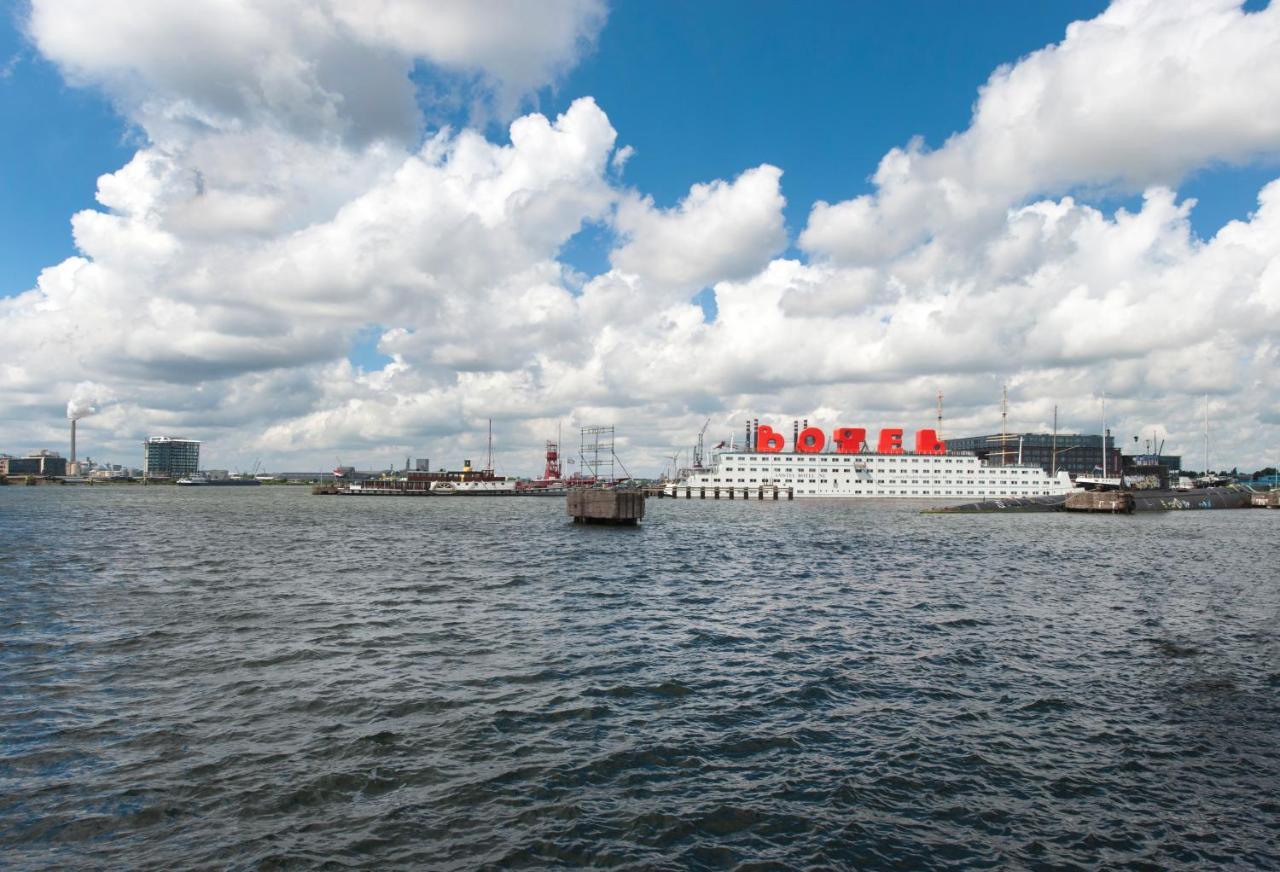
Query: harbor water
x=258 y=677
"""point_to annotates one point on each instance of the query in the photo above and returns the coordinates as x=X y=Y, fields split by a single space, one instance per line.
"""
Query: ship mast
x=1206 y=435
x=1053 y=452
x=488 y=464
x=1104 y=434
x=1004 y=425
x=939 y=427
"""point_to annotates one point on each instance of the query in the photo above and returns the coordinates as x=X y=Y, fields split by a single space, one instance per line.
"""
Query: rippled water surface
x=260 y=677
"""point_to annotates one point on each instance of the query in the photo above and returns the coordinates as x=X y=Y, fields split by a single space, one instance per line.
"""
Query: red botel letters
x=849 y=440
x=890 y=441
x=767 y=441
x=811 y=440
x=927 y=442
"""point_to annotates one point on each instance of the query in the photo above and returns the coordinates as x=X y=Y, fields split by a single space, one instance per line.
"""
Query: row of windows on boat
x=848 y=481
x=889 y=470
x=928 y=493
x=935 y=493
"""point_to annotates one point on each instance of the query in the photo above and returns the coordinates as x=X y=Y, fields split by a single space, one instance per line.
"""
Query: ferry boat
x=496 y=486
x=849 y=469
x=464 y=482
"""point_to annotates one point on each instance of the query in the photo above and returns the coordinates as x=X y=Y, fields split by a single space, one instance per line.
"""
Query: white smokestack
x=86 y=399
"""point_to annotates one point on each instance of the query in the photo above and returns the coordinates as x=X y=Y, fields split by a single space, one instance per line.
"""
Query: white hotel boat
x=867 y=475
x=845 y=467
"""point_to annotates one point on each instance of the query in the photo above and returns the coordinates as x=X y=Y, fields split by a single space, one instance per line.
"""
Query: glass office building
x=1078 y=454
x=167 y=456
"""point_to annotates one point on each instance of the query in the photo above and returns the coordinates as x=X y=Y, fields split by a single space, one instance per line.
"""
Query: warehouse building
x=49 y=464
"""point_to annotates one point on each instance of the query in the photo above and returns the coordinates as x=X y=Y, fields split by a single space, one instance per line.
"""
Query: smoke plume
x=88 y=398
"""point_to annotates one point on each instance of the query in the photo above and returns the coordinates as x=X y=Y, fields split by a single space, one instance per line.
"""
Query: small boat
x=1099 y=482
x=201 y=479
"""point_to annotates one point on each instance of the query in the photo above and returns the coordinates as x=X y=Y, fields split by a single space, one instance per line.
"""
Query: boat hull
x=1236 y=497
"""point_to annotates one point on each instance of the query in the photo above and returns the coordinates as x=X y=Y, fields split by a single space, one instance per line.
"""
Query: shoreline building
x=170 y=457
x=1078 y=454
x=43 y=463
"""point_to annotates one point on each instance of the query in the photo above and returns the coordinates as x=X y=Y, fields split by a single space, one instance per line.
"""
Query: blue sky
x=821 y=90
x=55 y=141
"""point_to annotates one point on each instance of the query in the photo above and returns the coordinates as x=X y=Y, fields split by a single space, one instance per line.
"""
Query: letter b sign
x=767 y=441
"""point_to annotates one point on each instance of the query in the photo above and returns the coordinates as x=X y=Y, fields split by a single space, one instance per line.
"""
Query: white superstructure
x=867 y=475
x=495 y=486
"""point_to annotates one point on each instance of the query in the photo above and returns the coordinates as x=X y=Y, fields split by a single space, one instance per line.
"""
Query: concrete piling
x=592 y=506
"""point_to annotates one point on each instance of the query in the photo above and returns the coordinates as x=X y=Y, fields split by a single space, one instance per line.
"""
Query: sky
x=316 y=232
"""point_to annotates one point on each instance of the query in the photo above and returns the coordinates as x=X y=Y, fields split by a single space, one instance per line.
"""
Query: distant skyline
x=305 y=233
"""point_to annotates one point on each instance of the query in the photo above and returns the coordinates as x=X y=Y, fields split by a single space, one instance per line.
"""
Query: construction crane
x=699 y=448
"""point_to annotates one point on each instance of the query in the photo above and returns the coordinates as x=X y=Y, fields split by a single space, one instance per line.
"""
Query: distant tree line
x=1234 y=472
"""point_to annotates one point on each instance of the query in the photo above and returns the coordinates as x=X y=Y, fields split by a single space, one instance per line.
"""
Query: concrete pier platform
x=601 y=506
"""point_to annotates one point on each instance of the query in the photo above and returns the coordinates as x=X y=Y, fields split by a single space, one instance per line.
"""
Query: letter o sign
x=811 y=440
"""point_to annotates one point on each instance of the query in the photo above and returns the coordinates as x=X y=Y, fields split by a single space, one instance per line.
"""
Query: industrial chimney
x=73 y=441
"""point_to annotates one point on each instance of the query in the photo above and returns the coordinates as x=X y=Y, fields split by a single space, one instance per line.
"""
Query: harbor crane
x=700 y=448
